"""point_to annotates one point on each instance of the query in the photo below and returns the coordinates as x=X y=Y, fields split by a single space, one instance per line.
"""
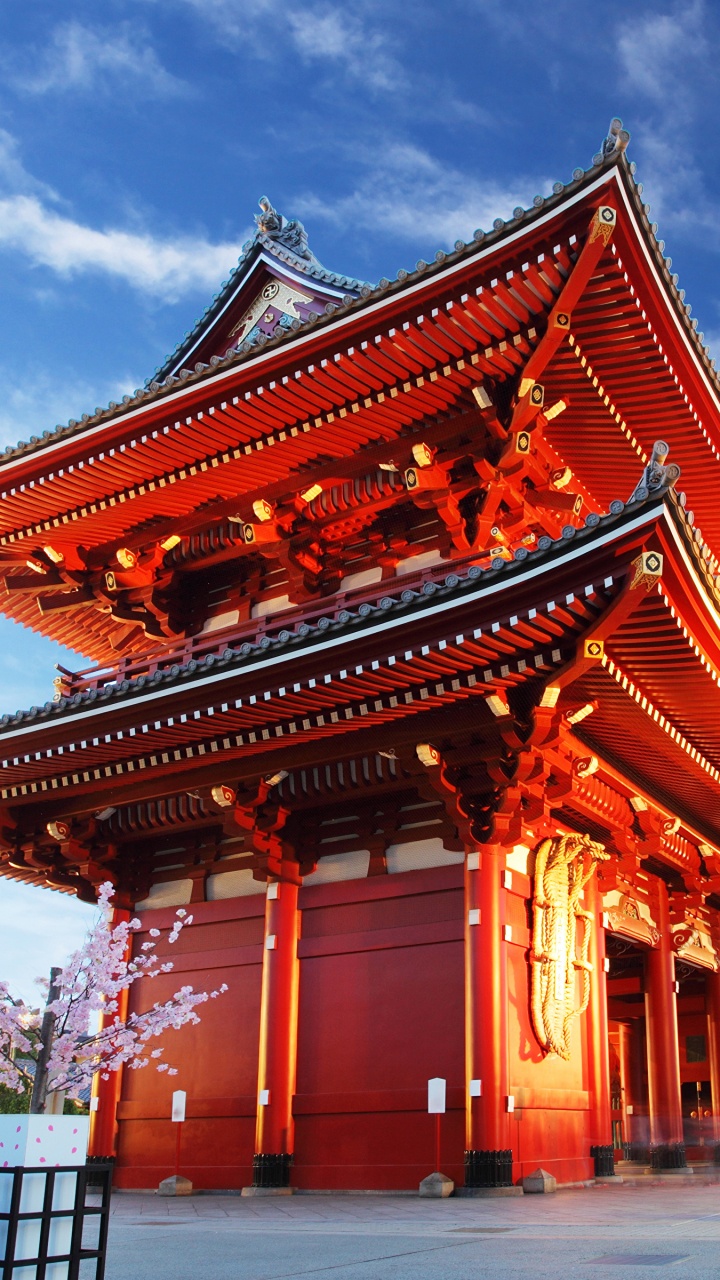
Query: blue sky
x=137 y=135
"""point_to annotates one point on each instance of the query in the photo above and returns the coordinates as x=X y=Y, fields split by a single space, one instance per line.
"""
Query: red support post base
x=274 y=1131
x=488 y=1157
x=667 y=1147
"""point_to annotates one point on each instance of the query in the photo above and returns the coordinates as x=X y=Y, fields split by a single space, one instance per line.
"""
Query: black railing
x=46 y=1222
x=98 y=1163
x=271 y=1170
x=637 y=1152
x=488 y=1168
x=668 y=1155
x=604 y=1161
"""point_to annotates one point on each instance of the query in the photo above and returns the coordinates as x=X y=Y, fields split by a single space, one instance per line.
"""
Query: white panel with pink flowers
x=34 y=1141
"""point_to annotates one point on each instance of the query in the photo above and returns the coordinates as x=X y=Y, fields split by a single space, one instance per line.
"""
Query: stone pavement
x=632 y=1231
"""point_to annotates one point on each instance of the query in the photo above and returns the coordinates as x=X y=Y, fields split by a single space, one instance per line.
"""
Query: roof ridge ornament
x=656 y=477
x=290 y=233
x=614 y=144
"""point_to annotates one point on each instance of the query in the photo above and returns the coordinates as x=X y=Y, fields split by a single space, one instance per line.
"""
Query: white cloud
x=667 y=61
x=656 y=51
x=337 y=36
x=165 y=268
x=410 y=194
x=83 y=58
x=13 y=174
x=341 y=36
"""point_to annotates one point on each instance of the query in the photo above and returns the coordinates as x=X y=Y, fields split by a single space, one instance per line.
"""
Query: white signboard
x=436 y=1096
x=178 y=1105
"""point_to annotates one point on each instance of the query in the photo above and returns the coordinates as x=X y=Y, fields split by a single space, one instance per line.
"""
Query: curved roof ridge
x=611 y=155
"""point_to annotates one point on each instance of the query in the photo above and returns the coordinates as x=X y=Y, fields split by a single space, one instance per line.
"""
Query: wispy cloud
x=166 y=268
x=657 y=50
x=666 y=62
x=332 y=37
x=342 y=36
x=32 y=224
x=33 y=400
x=80 y=58
x=13 y=174
x=408 y=193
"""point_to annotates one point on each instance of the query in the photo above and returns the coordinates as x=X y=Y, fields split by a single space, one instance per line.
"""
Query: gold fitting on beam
x=594 y=649
x=555 y=410
x=223 y=796
x=58 y=830
x=423 y=455
x=263 y=509
x=582 y=713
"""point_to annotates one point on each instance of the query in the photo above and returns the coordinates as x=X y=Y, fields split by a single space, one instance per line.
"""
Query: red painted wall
x=216 y=1061
x=381 y=1011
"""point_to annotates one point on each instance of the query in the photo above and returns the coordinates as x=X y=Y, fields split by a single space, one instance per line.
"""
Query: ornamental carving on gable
x=278 y=303
x=562 y=929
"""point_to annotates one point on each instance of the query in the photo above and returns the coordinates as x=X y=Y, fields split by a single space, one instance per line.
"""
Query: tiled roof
x=367 y=294
x=404 y=601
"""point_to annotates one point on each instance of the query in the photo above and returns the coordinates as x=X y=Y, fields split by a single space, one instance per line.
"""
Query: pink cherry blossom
x=91 y=983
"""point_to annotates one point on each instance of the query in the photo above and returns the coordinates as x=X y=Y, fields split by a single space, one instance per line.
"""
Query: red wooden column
x=274 y=1132
x=488 y=1158
x=712 y=1008
x=103 y=1121
x=598 y=1043
x=663 y=1051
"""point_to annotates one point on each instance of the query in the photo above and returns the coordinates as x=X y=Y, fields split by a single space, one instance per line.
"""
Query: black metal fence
x=48 y=1228
x=488 y=1168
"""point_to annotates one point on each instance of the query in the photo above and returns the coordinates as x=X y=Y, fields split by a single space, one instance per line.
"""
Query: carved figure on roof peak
x=656 y=475
x=290 y=233
x=616 y=140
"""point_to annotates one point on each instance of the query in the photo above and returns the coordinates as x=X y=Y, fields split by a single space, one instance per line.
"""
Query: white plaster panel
x=425 y=560
x=334 y=867
x=416 y=855
x=273 y=605
x=233 y=884
x=168 y=893
x=365 y=578
x=221 y=620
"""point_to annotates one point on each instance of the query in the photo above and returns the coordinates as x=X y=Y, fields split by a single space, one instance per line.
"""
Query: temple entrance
x=628 y=1050
x=633 y=1123
x=696 y=1089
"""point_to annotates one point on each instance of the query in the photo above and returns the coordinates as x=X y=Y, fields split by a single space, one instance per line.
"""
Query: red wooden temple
x=407 y=646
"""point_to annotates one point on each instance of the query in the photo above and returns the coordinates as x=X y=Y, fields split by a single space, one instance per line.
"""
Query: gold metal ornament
x=561 y=937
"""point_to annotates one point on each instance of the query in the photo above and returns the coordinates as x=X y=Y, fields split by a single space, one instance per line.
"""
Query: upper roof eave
x=564 y=196
x=647 y=514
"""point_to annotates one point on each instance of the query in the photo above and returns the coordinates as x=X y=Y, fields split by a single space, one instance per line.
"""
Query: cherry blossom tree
x=66 y=1050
